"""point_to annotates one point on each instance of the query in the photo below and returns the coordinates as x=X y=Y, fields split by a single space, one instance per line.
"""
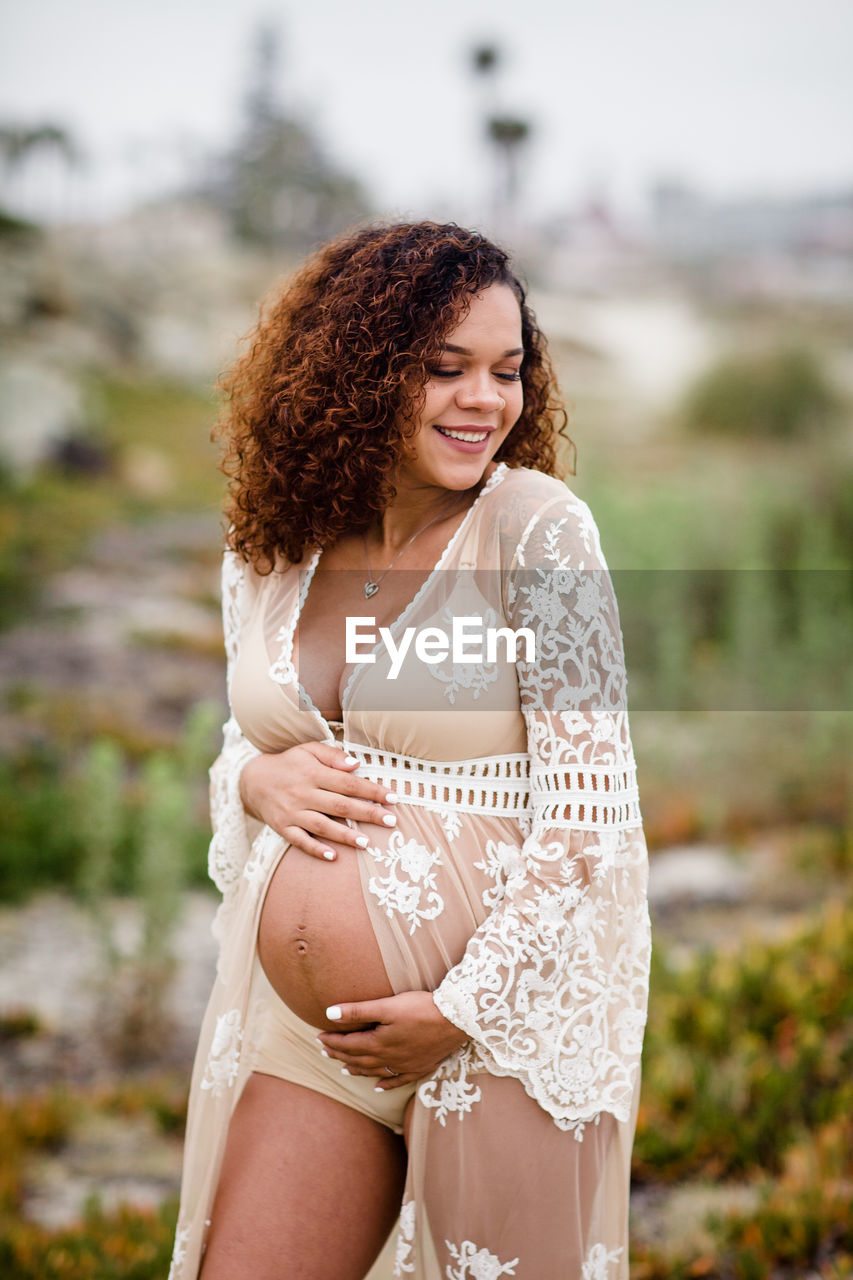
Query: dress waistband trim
x=591 y=798
x=490 y=784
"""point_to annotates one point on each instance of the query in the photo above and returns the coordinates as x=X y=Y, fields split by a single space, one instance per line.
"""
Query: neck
x=414 y=508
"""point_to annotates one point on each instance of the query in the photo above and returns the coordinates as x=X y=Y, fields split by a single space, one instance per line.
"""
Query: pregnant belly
x=315 y=940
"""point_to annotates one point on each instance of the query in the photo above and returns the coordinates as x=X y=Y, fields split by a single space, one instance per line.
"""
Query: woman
x=434 y=936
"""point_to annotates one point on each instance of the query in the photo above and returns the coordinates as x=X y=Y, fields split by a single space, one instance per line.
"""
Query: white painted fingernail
x=379 y=1089
x=391 y=798
x=350 y=759
x=362 y=841
x=323 y=1052
x=334 y=1013
x=344 y=1071
x=329 y=855
x=390 y=819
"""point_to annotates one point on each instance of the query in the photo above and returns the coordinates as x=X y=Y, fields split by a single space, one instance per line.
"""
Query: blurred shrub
x=116 y=1245
x=805 y=1218
x=102 y=1246
x=127 y=1244
x=41 y=849
x=162 y=1097
x=39 y=1122
x=747 y=1051
x=92 y=825
x=136 y=977
x=802 y=1225
x=18 y=1024
x=777 y=395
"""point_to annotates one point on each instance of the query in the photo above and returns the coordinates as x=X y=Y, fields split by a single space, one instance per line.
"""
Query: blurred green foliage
x=778 y=394
x=100 y=826
x=115 y=1245
x=746 y=1050
x=125 y=1244
x=136 y=981
x=748 y=1077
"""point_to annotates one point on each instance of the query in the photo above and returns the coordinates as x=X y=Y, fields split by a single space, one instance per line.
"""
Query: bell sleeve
x=233 y=829
x=552 y=987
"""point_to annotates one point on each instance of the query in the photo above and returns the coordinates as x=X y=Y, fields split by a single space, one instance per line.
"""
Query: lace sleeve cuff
x=233 y=829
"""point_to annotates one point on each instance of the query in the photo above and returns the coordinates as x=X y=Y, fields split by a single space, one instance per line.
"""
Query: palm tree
x=19 y=143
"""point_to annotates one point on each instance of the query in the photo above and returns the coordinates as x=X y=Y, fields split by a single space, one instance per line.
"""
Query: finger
x=300 y=839
x=347 y=782
x=386 y=1082
x=350 y=784
x=331 y=756
x=361 y=1011
x=354 y=1044
x=370 y=1067
x=316 y=830
x=335 y=805
x=360 y=1067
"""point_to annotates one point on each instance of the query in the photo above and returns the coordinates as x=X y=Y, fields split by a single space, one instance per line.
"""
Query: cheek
x=435 y=402
x=514 y=404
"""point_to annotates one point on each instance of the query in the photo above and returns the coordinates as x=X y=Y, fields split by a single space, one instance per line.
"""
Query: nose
x=480 y=393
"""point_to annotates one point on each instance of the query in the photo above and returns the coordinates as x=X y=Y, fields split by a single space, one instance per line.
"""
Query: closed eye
x=456 y=373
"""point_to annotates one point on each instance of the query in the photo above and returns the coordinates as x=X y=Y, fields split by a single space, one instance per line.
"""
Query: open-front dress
x=513 y=887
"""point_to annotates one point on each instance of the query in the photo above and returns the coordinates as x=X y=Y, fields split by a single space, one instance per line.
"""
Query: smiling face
x=472 y=399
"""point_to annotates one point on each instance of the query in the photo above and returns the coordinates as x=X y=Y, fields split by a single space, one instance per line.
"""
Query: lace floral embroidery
x=229 y=846
x=448 y=1090
x=451 y=821
x=474 y=676
x=476 y=1264
x=268 y=844
x=410 y=890
x=597 y=1263
x=553 y=984
x=403 y=1260
x=283 y=670
x=500 y=861
x=230 y=843
x=224 y=1058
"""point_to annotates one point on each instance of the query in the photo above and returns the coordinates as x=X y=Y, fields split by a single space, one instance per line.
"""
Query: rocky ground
x=128 y=640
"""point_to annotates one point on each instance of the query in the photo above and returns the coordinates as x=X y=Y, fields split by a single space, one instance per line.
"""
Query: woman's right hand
x=302 y=791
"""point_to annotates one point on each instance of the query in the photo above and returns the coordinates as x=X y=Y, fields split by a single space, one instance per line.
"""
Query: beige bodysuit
x=513 y=887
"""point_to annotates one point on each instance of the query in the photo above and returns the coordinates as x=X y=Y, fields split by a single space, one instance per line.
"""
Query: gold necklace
x=372 y=584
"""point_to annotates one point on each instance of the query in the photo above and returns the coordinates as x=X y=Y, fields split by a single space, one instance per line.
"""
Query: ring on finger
x=390 y=1072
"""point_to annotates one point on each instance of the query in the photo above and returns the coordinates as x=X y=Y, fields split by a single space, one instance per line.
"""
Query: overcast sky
x=736 y=96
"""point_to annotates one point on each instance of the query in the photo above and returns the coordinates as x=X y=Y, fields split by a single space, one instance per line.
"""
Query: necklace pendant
x=370 y=589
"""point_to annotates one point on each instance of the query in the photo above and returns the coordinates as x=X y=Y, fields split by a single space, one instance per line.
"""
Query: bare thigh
x=309 y=1188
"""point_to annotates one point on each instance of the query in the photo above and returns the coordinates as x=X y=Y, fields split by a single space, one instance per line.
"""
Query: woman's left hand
x=410 y=1038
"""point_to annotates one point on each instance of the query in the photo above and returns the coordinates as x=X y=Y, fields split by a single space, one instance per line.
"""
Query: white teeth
x=474 y=437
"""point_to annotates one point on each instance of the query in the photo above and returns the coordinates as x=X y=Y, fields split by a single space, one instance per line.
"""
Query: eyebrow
x=466 y=351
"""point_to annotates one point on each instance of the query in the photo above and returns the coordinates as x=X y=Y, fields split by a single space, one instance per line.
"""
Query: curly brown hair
x=318 y=406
